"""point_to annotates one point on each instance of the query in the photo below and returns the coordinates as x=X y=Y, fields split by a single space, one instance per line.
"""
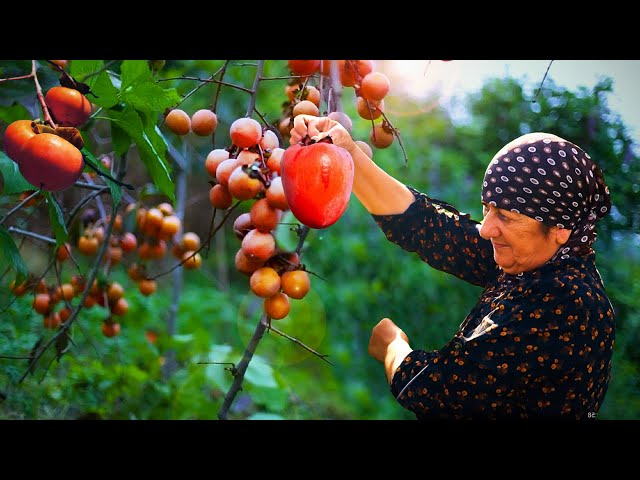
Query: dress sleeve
x=551 y=357
x=442 y=237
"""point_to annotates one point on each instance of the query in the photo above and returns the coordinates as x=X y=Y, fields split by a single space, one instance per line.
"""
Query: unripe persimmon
x=263 y=216
x=190 y=241
x=245 y=132
x=247 y=157
x=352 y=71
x=380 y=136
x=178 y=121
x=258 y=245
x=68 y=106
x=128 y=242
x=220 y=197
x=119 y=307
x=369 y=110
x=306 y=107
x=264 y=282
x=191 y=260
x=295 y=283
x=110 y=328
x=42 y=303
x=277 y=306
x=147 y=286
x=269 y=141
x=242 y=186
x=242 y=225
x=273 y=162
x=88 y=245
x=50 y=162
x=204 y=122
x=223 y=172
x=63 y=252
x=375 y=86
x=51 y=320
x=246 y=265
x=214 y=158
x=275 y=195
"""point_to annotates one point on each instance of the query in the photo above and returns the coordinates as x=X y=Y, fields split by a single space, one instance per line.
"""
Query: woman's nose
x=488 y=228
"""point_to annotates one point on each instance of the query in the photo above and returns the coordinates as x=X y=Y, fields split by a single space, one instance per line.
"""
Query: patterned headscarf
x=553 y=181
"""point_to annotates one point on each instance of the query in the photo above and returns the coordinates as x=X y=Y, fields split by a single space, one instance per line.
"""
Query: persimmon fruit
x=50 y=162
x=317 y=180
x=15 y=137
x=69 y=107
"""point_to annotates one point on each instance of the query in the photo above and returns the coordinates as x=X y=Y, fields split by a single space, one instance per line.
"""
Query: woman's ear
x=562 y=235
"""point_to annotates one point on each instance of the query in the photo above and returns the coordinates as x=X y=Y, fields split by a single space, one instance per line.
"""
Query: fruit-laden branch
x=204 y=244
x=63 y=331
x=238 y=373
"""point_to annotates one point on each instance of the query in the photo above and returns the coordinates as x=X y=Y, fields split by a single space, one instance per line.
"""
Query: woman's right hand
x=318 y=128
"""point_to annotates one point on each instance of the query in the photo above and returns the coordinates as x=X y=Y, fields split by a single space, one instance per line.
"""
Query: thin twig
x=298 y=342
x=27 y=233
x=19 y=206
x=43 y=104
x=543 y=78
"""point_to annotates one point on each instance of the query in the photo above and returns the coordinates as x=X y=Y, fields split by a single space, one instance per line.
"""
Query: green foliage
x=14 y=182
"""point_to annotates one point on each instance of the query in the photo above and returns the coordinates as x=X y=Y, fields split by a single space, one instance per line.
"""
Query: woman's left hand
x=388 y=344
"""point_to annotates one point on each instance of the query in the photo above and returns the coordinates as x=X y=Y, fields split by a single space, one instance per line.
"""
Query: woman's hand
x=318 y=128
x=389 y=344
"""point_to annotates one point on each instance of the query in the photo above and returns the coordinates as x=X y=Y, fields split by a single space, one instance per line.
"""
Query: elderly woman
x=539 y=341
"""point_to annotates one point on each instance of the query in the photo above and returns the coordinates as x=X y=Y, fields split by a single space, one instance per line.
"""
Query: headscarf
x=553 y=181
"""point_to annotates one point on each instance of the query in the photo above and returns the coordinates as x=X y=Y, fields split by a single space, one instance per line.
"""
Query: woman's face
x=519 y=242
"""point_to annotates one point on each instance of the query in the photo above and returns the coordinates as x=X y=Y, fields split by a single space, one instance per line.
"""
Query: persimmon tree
x=70 y=146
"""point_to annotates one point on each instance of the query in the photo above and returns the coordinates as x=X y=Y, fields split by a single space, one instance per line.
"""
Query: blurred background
x=452 y=117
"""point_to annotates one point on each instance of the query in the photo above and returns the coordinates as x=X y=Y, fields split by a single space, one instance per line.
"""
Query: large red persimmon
x=50 y=162
x=317 y=180
x=69 y=107
x=15 y=136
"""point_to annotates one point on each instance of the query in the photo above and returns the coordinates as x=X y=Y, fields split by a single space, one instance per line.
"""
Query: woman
x=539 y=341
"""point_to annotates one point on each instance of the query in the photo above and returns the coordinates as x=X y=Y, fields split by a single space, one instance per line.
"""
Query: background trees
x=178 y=347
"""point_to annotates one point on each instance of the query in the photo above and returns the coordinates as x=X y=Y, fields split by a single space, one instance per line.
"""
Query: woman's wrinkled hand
x=318 y=128
x=382 y=335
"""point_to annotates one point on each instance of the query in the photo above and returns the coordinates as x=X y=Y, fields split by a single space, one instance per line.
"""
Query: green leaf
x=14 y=182
x=149 y=97
x=140 y=91
x=13 y=113
x=114 y=188
x=10 y=255
x=150 y=145
x=260 y=373
x=100 y=84
x=121 y=140
x=133 y=72
x=57 y=219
